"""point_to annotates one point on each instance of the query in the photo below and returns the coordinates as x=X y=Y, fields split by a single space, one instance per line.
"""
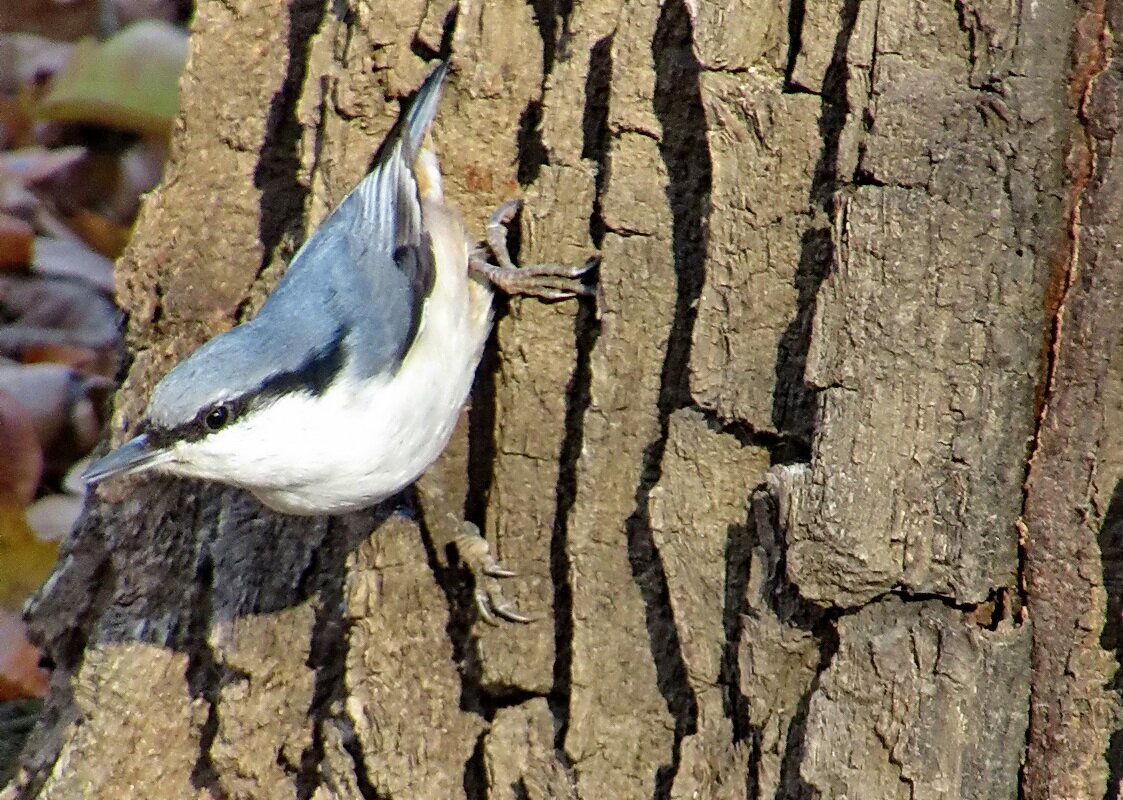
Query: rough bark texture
x=820 y=498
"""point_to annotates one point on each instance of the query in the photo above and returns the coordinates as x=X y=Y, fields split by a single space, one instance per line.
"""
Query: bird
x=347 y=384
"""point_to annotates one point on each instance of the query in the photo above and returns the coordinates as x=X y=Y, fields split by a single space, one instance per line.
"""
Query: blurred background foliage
x=88 y=95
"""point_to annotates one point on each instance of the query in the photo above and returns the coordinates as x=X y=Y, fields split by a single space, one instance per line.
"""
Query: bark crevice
x=277 y=175
x=793 y=401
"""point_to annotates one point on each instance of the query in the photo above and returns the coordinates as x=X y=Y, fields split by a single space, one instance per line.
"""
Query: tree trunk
x=821 y=498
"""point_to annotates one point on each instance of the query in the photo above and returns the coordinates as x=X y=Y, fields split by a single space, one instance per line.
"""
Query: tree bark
x=820 y=498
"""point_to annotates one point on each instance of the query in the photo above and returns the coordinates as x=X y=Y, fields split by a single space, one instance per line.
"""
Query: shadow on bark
x=1111 y=554
x=283 y=195
x=793 y=399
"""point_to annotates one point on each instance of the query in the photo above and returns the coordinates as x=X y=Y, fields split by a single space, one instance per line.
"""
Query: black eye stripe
x=313 y=377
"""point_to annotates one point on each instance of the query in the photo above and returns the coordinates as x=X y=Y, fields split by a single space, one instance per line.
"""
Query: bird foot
x=546 y=281
x=475 y=552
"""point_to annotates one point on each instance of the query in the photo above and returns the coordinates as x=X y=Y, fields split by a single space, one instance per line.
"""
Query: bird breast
x=363 y=441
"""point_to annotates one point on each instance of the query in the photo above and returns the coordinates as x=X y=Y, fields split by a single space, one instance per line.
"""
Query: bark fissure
x=796 y=12
x=578 y=397
x=277 y=176
x=783 y=600
x=354 y=749
x=456 y=584
x=205 y=675
x=678 y=106
x=595 y=130
x=793 y=405
x=326 y=656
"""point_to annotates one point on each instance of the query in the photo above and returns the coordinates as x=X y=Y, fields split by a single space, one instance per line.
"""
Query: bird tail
x=423 y=109
x=409 y=131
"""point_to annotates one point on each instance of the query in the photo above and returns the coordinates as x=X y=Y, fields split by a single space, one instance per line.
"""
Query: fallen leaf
x=101 y=233
x=129 y=81
x=84 y=360
x=16 y=238
x=61 y=407
x=72 y=258
x=20 y=673
x=32 y=165
x=15 y=123
x=26 y=59
x=129 y=10
x=53 y=517
x=46 y=311
x=25 y=560
x=22 y=464
x=67 y=20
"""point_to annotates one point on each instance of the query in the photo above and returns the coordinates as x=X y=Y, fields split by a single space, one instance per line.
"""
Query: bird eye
x=217 y=417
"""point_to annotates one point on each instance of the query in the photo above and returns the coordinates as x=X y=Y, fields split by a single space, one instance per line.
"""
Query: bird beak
x=134 y=455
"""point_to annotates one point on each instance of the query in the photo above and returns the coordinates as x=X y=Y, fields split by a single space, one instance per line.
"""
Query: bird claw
x=493 y=606
x=475 y=552
x=545 y=281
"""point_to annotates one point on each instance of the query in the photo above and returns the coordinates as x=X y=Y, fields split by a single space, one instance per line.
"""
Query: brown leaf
x=68 y=20
x=102 y=234
x=22 y=464
x=15 y=124
x=16 y=238
x=84 y=360
x=130 y=10
x=20 y=673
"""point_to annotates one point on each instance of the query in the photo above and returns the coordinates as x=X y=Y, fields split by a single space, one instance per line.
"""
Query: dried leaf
x=20 y=673
x=53 y=517
x=22 y=464
x=67 y=20
x=26 y=59
x=16 y=238
x=44 y=311
x=15 y=123
x=32 y=165
x=129 y=10
x=62 y=408
x=129 y=81
x=102 y=234
x=25 y=560
x=83 y=360
x=72 y=258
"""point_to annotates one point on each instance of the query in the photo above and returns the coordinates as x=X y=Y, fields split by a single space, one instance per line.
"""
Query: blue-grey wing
x=371 y=262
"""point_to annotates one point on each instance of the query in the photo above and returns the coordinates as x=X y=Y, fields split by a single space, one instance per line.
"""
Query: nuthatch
x=347 y=384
